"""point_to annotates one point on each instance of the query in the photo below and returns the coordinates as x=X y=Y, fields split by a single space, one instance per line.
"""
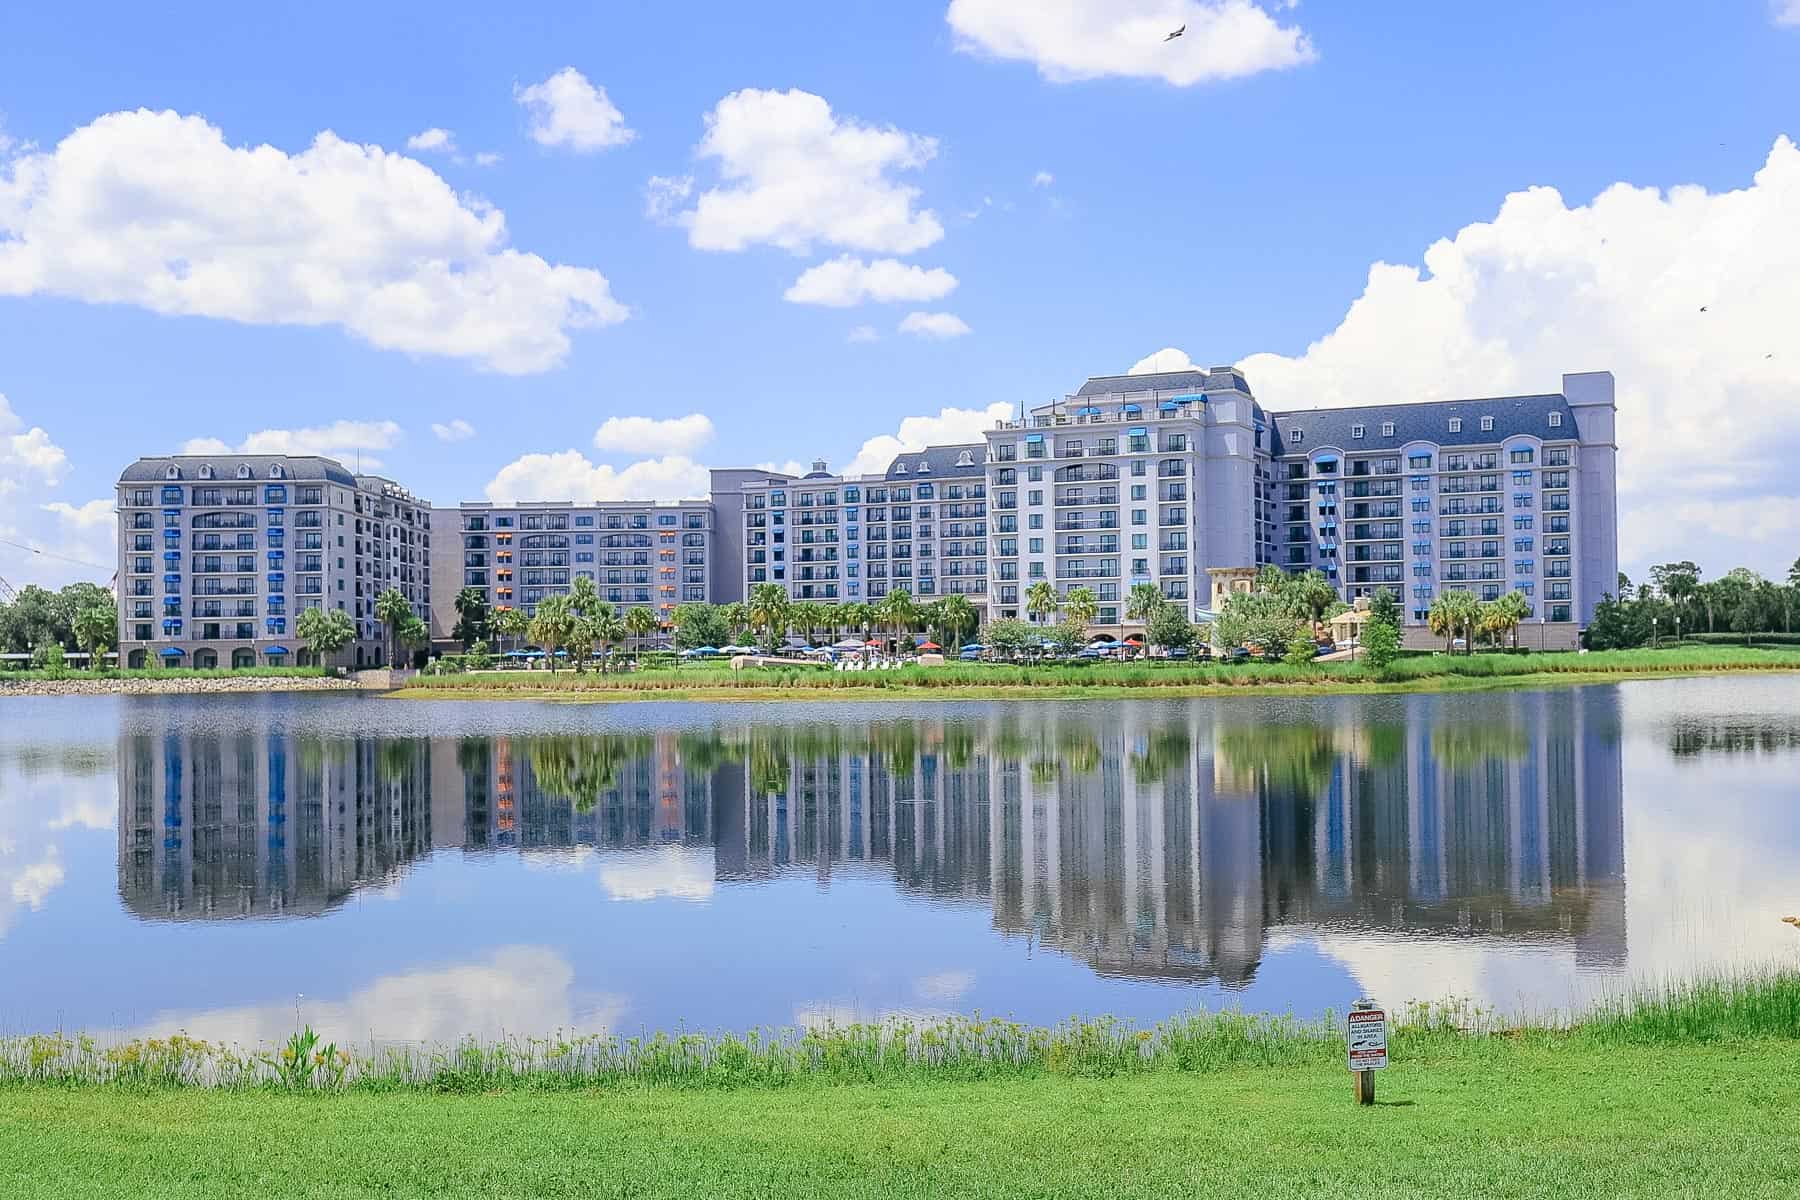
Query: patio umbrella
x=847 y=644
x=929 y=646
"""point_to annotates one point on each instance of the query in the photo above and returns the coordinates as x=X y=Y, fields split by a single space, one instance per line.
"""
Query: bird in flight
x=1703 y=308
x=1176 y=34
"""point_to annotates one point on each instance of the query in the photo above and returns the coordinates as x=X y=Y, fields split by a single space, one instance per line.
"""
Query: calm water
x=408 y=870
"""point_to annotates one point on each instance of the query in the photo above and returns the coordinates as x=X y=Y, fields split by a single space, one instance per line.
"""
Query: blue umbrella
x=172 y=652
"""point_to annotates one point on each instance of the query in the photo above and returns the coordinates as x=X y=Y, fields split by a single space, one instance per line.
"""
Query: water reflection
x=1158 y=842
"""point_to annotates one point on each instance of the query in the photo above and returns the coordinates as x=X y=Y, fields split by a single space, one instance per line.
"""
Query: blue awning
x=1133 y=408
x=1137 y=431
x=1034 y=437
x=171 y=579
x=1190 y=399
x=1325 y=458
x=171 y=556
x=1168 y=406
x=277 y=554
x=172 y=652
x=1088 y=411
x=276 y=650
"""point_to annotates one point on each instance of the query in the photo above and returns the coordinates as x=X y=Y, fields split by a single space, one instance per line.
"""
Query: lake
x=407 y=870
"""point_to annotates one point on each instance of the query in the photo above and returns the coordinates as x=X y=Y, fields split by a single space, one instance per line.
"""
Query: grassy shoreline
x=1107 y=681
x=1685 y=1091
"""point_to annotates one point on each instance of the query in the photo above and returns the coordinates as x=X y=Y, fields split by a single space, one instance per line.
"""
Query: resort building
x=1176 y=479
x=637 y=554
x=218 y=554
x=921 y=526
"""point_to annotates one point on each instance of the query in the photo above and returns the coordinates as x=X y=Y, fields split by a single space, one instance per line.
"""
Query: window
x=1556 y=420
x=1487 y=424
x=965 y=459
x=1356 y=431
x=1418 y=462
x=1522 y=456
x=1455 y=424
x=1387 y=429
x=1297 y=436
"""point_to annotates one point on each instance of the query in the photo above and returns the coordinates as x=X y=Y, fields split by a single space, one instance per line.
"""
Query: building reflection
x=1152 y=841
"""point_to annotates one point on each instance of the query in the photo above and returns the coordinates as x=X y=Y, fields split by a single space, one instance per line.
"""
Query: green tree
x=640 y=622
x=736 y=616
x=553 y=627
x=96 y=630
x=1170 y=628
x=1009 y=636
x=508 y=624
x=957 y=619
x=1300 y=650
x=1144 y=601
x=699 y=625
x=392 y=610
x=584 y=598
x=1313 y=593
x=471 y=617
x=1081 y=606
x=898 y=612
x=324 y=632
x=1380 y=642
x=1257 y=618
x=770 y=611
x=413 y=633
x=1040 y=600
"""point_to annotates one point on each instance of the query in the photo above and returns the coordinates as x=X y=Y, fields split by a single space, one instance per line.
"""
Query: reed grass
x=1755 y=1006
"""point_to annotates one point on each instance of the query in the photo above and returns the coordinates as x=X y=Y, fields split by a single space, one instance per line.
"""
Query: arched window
x=243 y=471
x=965 y=459
x=275 y=471
x=172 y=473
x=205 y=470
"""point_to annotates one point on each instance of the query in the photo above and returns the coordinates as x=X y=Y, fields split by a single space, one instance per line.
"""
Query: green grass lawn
x=1570 y=1119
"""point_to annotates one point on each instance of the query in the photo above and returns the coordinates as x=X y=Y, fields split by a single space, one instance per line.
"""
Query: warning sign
x=1367 y=1030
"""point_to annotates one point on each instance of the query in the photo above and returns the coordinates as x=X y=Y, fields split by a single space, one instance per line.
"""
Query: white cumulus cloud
x=1166 y=359
x=864 y=333
x=570 y=475
x=847 y=281
x=1785 y=12
x=949 y=427
x=433 y=141
x=95 y=514
x=1507 y=306
x=1070 y=40
x=25 y=450
x=454 y=430
x=792 y=173
x=341 y=440
x=1042 y=179
x=566 y=110
x=650 y=435
x=157 y=210
x=933 y=325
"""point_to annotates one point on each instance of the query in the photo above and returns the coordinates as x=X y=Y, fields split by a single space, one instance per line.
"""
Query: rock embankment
x=75 y=686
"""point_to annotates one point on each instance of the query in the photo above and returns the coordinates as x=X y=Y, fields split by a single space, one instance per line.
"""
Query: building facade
x=638 y=555
x=218 y=555
x=1168 y=479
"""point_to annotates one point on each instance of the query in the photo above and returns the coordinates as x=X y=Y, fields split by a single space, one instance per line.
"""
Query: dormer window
x=1296 y=436
x=1555 y=420
x=172 y=473
x=1487 y=424
x=1356 y=431
x=1387 y=429
x=205 y=471
x=899 y=468
x=1455 y=424
x=967 y=459
x=924 y=465
x=243 y=471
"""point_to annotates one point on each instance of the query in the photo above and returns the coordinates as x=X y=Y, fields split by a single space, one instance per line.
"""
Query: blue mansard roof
x=1423 y=422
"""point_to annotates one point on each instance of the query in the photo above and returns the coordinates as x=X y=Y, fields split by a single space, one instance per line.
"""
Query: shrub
x=1380 y=643
x=1300 y=651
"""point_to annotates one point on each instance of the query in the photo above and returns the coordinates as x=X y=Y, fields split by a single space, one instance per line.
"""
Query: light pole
x=1653 y=631
x=1678 y=631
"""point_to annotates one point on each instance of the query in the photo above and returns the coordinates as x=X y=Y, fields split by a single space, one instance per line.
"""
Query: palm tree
x=391 y=609
x=898 y=611
x=584 y=598
x=1441 y=620
x=471 y=616
x=769 y=611
x=859 y=616
x=553 y=628
x=95 y=628
x=1081 y=606
x=1040 y=600
x=1143 y=602
x=507 y=623
x=640 y=622
x=958 y=619
x=806 y=616
x=324 y=631
x=1455 y=613
x=1514 y=608
x=737 y=618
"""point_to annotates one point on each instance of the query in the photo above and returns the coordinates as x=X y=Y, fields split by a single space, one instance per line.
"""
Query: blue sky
x=1093 y=193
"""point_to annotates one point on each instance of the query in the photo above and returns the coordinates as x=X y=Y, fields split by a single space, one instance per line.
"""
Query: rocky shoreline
x=171 y=687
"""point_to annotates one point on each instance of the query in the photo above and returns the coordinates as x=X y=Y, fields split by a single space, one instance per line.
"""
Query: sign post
x=1366 y=1039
